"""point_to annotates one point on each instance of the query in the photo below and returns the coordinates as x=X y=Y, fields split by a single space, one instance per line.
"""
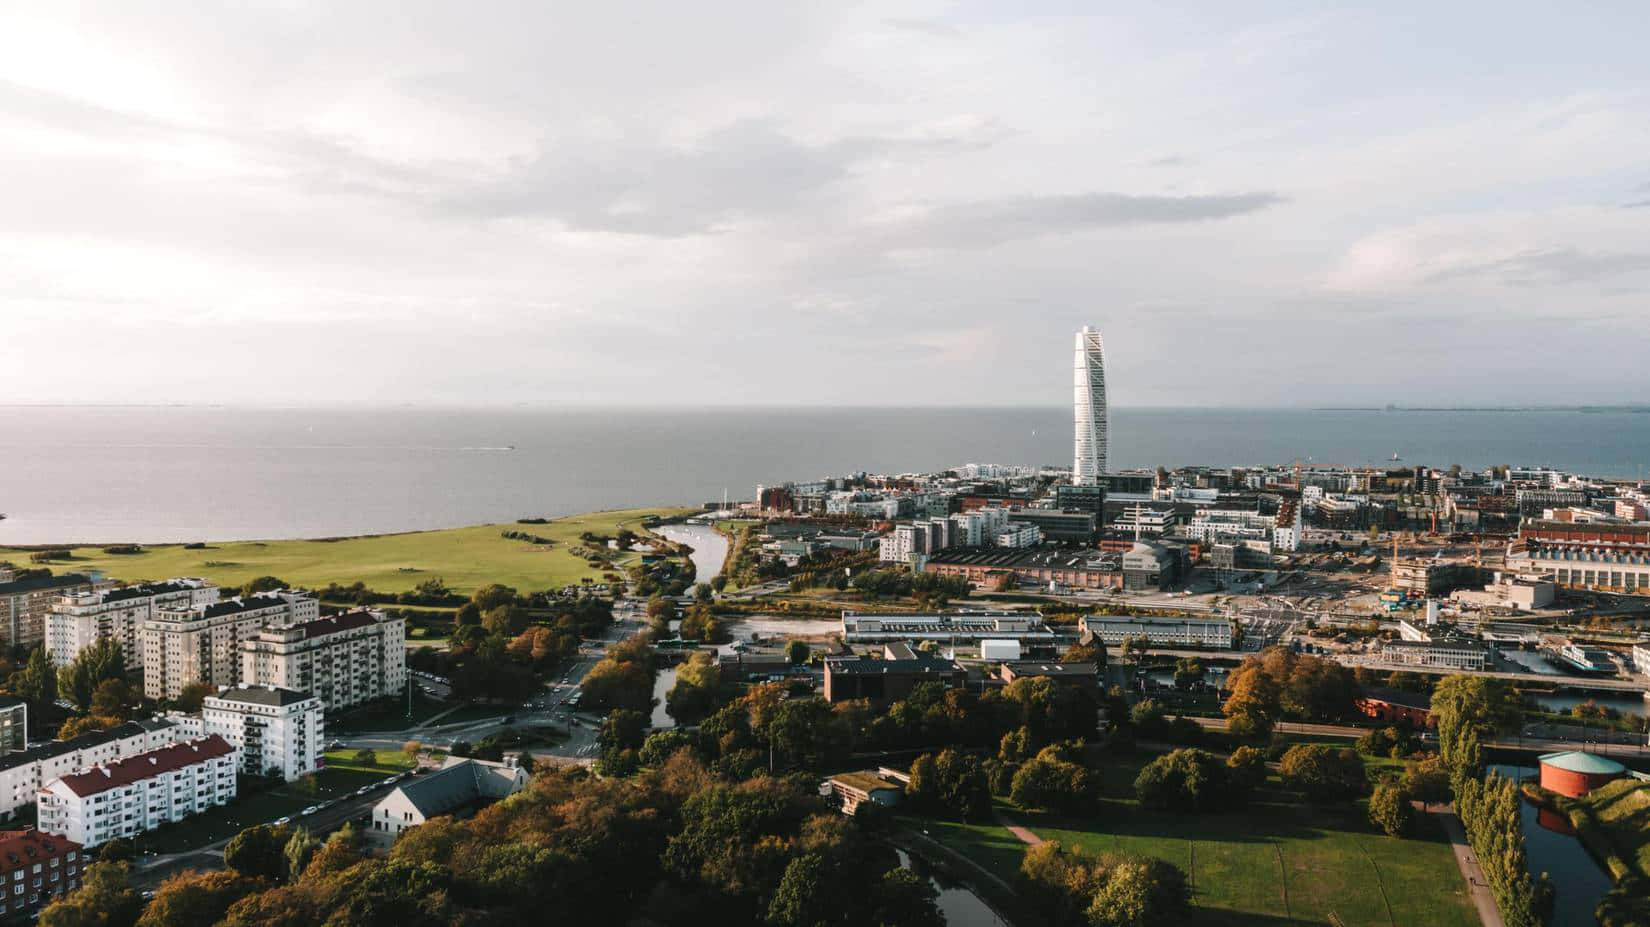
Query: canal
x=1553 y=848
x=710 y=547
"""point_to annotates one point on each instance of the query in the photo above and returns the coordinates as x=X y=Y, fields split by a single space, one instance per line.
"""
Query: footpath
x=1482 y=898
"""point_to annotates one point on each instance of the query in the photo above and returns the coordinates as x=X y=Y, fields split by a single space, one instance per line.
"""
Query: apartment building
x=140 y=793
x=23 y=774
x=79 y=620
x=343 y=659
x=24 y=604
x=38 y=868
x=202 y=643
x=271 y=728
x=14 y=724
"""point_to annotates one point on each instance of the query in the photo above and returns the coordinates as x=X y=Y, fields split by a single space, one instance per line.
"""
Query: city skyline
x=563 y=203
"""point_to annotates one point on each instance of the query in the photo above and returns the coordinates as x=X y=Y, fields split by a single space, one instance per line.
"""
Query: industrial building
x=874 y=627
x=1215 y=633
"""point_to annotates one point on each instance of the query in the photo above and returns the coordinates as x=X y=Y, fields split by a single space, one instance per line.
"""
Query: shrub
x=1390 y=810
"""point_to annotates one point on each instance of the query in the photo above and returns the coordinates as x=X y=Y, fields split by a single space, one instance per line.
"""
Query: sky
x=823 y=203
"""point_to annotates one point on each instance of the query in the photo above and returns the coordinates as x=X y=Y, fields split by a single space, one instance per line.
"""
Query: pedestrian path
x=1482 y=898
x=1024 y=835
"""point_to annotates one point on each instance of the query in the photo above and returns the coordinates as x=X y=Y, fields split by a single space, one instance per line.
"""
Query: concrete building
x=1161 y=632
x=459 y=786
x=1019 y=535
x=1072 y=527
x=1598 y=557
x=1076 y=570
x=1526 y=592
x=271 y=729
x=886 y=680
x=23 y=774
x=1641 y=659
x=1082 y=675
x=79 y=620
x=14 y=724
x=24 y=604
x=1453 y=653
x=1282 y=530
x=129 y=797
x=1088 y=408
x=1574 y=773
x=343 y=659
x=852 y=789
x=1149 y=566
x=971 y=626
x=202 y=643
x=39 y=868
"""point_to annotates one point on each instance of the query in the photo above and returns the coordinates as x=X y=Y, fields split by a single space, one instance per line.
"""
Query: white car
x=311 y=809
x=282 y=822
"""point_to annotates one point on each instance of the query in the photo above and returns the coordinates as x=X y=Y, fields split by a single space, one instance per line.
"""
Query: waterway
x=961 y=907
x=1553 y=850
x=710 y=547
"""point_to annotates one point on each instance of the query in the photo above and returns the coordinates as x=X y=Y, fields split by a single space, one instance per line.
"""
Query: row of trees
x=1080 y=889
x=1280 y=683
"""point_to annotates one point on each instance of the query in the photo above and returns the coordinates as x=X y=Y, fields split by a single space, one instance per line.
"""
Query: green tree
x=192 y=696
x=807 y=733
x=1428 y=781
x=621 y=735
x=1323 y=773
x=104 y=899
x=1467 y=709
x=1390 y=810
x=697 y=691
x=259 y=852
x=797 y=652
x=1255 y=703
x=493 y=596
x=1188 y=670
x=1141 y=892
x=394 y=893
x=37 y=680
x=262 y=584
x=1185 y=780
x=1052 y=781
x=366 y=756
x=300 y=848
x=79 y=680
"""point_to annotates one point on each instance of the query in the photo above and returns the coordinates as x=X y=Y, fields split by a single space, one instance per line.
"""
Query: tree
x=412 y=749
x=1255 y=703
x=621 y=734
x=1185 y=780
x=697 y=691
x=1324 y=773
x=366 y=756
x=493 y=596
x=1466 y=709
x=1390 y=810
x=104 y=899
x=37 y=680
x=262 y=584
x=1136 y=647
x=394 y=892
x=1246 y=770
x=192 y=696
x=703 y=594
x=1428 y=781
x=85 y=724
x=1141 y=892
x=953 y=783
x=807 y=733
x=1052 y=781
x=467 y=615
x=1188 y=670
x=112 y=699
x=188 y=899
x=797 y=652
x=79 y=680
x=300 y=848
x=259 y=852
x=506 y=620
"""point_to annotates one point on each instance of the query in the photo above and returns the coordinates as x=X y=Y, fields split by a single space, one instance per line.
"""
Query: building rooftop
x=1034 y=668
x=1589 y=763
x=18 y=847
x=461 y=782
x=84 y=741
x=108 y=776
x=865 y=666
x=271 y=696
x=866 y=781
x=1398 y=697
x=332 y=624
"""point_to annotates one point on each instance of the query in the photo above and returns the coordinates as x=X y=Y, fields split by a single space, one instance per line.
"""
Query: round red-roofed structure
x=1575 y=773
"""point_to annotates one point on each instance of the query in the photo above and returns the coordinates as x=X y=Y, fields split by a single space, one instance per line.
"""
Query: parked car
x=311 y=809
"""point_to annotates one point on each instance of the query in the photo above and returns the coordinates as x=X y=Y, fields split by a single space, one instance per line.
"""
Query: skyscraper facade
x=1089 y=408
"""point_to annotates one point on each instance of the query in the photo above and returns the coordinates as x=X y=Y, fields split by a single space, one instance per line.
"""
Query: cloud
x=1545 y=268
x=924 y=26
x=1636 y=205
x=983 y=223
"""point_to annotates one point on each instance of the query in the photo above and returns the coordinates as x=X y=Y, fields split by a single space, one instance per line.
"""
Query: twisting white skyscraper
x=1089 y=408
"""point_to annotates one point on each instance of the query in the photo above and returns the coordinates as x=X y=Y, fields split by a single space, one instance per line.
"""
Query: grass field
x=465 y=558
x=341 y=777
x=1276 y=862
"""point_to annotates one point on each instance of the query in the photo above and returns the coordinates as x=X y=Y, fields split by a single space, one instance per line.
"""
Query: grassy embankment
x=1613 y=822
x=464 y=558
x=341 y=777
x=1279 y=861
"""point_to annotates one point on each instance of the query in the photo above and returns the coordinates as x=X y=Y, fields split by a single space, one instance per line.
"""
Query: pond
x=710 y=547
x=1553 y=848
x=661 y=718
x=961 y=907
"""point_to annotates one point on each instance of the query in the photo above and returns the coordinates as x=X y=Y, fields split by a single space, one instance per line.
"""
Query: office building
x=862 y=627
x=1088 y=408
x=23 y=774
x=79 y=620
x=24 y=604
x=343 y=659
x=887 y=680
x=129 y=797
x=271 y=729
x=202 y=643
x=1451 y=653
x=39 y=868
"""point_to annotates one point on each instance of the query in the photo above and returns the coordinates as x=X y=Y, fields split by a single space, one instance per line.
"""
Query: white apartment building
x=80 y=619
x=1019 y=534
x=1641 y=659
x=1210 y=525
x=23 y=774
x=343 y=659
x=202 y=643
x=1452 y=653
x=270 y=728
x=140 y=793
x=1162 y=632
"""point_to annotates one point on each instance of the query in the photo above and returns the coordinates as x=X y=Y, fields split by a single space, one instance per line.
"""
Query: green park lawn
x=465 y=558
x=342 y=776
x=1277 y=862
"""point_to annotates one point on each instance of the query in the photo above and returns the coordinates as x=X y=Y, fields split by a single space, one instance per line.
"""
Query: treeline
x=499 y=644
x=431 y=592
x=931 y=589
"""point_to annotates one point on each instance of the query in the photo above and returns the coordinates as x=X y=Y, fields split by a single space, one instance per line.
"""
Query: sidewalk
x=1025 y=836
x=1482 y=898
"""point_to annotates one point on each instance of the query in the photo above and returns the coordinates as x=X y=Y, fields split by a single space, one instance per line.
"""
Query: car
x=363 y=790
x=311 y=809
x=336 y=745
x=389 y=781
x=282 y=822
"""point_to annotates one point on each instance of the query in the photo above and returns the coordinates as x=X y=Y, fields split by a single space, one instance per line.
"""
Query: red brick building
x=1395 y=706
x=37 y=868
x=1574 y=773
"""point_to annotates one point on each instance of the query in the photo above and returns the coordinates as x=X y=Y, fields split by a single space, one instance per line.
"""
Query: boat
x=1394 y=456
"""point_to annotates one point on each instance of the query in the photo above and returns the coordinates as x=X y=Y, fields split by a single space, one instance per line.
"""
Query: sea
x=111 y=474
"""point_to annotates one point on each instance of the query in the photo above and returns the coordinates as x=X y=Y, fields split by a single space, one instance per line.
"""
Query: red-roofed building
x=139 y=793
x=342 y=659
x=35 y=869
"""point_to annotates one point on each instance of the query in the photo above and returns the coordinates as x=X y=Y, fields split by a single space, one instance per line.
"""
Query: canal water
x=1552 y=848
x=710 y=548
x=961 y=907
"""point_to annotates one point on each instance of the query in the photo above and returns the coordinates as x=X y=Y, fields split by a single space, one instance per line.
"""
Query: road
x=1536 y=743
